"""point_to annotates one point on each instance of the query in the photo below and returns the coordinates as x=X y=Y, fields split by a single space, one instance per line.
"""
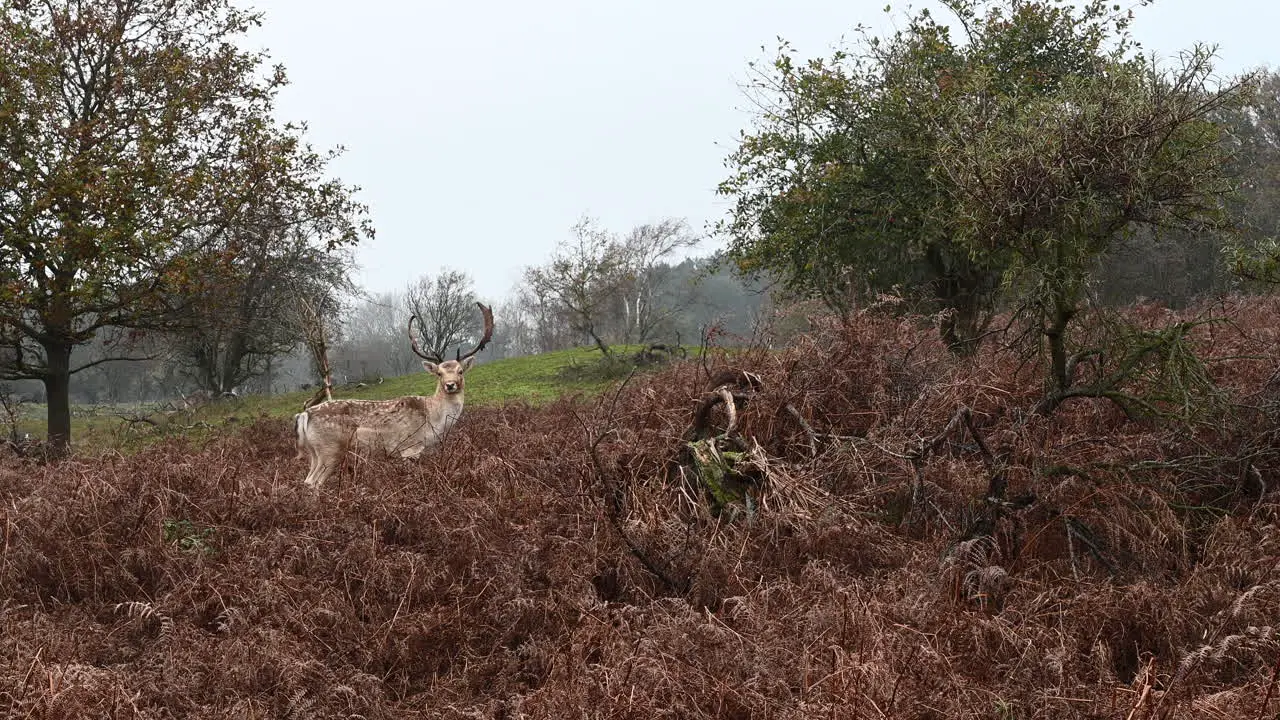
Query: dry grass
x=1127 y=570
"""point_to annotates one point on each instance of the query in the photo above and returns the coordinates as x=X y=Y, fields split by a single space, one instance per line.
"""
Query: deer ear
x=431 y=367
x=467 y=363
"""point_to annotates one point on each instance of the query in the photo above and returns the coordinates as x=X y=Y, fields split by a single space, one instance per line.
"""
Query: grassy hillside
x=536 y=379
x=919 y=546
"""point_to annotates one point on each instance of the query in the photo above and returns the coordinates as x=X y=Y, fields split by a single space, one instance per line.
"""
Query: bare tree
x=607 y=287
x=646 y=250
x=443 y=306
x=548 y=321
x=584 y=277
x=518 y=334
x=373 y=338
x=311 y=313
x=246 y=318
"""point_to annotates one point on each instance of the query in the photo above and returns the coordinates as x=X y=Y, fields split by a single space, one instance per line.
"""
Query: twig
x=1271 y=686
x=12 y=409
x=927 y=447
x=977 y=438
x=808 y=429
x=1074 y=528
x=893 y=695
x=1147 y=675
x=1071 y=547
x=131 y=419
x=323 y=393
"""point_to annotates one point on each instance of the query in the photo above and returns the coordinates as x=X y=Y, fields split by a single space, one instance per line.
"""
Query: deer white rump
x=402 y=427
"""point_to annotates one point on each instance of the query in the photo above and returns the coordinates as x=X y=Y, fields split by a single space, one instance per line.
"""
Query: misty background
x=502 y=148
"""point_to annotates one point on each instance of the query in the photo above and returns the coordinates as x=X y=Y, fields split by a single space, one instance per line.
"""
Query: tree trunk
x=965 y=289
x=960 y=329
x=1059 y=373
x=230 y=375
x=600 y=343
x=57 y=386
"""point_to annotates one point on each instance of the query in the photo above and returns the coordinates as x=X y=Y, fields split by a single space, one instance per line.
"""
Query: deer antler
x=413 y=343
x=488 y=333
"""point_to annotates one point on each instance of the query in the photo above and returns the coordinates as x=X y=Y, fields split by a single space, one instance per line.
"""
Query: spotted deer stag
x=402 y=427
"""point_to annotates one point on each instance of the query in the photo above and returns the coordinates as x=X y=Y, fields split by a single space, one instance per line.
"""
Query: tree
x=641 y=287
x=584 y=277
x=836 y=188
x=720 y=299
x=1174 y=265
x=608 y=289
x=444 y=307
x=311 y=313
x=133 y=135
x=124 y=381
x=1252 y=136
x=1025 y=153
x=1050 y=184
x=374 y=339
x=546 y=321
x=244 y=319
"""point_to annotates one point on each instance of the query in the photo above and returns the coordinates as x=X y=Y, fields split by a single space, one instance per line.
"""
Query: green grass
x=535 y=379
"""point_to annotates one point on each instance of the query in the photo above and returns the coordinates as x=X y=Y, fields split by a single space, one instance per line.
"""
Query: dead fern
x=147 y=612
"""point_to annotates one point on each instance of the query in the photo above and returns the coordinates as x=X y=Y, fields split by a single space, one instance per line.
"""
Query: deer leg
x=314 y=478
x=325 y=464
x=305 y=450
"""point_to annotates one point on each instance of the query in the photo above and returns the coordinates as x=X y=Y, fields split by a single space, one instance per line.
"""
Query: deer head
x=449 y=380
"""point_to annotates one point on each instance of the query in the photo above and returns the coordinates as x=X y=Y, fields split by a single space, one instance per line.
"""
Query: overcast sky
x=481 y=131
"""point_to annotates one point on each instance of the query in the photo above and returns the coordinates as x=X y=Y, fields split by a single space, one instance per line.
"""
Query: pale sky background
x=481 y=131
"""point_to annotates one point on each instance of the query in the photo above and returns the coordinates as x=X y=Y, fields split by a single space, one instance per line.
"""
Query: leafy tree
x=444 y=306
x=1049 y=184
x=133 y=136
x=244 y=319
x=1252 y=135
x=1175 y=266
x=1031 y=150
x=836 y=189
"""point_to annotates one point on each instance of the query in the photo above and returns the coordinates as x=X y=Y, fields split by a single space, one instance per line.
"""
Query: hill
x=919 y=546
x=536 y=379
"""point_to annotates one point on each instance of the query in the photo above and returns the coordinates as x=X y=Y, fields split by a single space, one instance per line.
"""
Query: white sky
x=481 y=131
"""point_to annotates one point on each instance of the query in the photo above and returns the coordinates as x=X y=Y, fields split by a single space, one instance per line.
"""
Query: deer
x=401 y=427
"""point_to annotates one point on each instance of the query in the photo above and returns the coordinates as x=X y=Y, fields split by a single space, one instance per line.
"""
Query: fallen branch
x=808 y=429
x=137 y=419
x=723 y=385
x=963 y=418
